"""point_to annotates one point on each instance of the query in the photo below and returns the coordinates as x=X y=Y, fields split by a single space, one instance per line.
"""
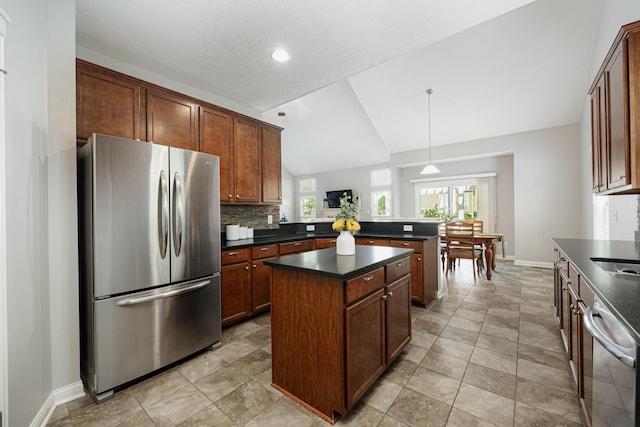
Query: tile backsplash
x=250 y=215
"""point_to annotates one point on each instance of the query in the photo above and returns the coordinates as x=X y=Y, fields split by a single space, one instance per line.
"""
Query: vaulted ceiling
x=354 y=89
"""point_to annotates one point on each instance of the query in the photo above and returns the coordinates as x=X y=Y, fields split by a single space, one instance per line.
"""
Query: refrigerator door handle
x=164 y=238
x=172 y=293
x=177 y=214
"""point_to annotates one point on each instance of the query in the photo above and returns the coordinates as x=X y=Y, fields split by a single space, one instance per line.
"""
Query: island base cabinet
x=397 y=317
x=365 y=344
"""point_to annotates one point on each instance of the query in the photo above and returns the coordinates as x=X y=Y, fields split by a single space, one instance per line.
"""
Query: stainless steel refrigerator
x=149 y=247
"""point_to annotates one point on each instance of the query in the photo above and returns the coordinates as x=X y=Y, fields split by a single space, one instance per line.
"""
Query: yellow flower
x=338 y=225
x=353 y=225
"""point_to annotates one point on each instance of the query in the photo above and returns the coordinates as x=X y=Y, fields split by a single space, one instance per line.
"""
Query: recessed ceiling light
x=280 y=55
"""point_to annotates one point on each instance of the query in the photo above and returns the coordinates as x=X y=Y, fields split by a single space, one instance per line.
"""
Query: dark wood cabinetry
x=108 y=103
x=216 y=137
x=615 y=112
x=261 y=277
x=571 y=298
x=271 y=165
x=234 y=285
x=324 y=242
x=172 y=120
x=115 y=104
x=359 y=326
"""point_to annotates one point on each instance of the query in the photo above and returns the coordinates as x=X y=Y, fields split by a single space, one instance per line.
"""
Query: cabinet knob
x=622 y=176
x=232 y=253
x=399 y=264
x=384 y=297
x=246 y=268
x=230 y=196
x=368 y=279
x=419 y=259
x=264 y=249
x=237 y=196
x=390 y=294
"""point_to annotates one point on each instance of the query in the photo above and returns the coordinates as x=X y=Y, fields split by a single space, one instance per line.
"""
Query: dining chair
x=461 y=244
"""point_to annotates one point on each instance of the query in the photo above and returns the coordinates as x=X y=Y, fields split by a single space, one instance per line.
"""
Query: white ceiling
x=354 y=90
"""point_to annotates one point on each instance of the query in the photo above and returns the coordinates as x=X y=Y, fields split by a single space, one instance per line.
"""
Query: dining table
x=489 y=241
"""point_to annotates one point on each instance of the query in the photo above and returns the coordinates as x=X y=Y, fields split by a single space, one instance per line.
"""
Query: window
x=457 y=197
x=380 y=180
x=307 y=198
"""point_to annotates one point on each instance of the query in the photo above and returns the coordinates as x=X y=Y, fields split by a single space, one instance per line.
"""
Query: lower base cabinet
x=234 y=292
x=571 y=297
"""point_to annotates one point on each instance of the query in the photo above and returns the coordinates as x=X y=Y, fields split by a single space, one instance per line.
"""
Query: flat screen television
x=333 y=197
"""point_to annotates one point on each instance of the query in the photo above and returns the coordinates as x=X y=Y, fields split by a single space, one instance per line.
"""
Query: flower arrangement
x=346 y=219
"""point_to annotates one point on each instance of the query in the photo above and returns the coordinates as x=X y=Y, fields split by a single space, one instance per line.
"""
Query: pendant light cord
x=429 y=92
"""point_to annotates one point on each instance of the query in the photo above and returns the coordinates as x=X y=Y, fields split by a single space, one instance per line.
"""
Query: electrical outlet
x=408 y=227
x=311 y=228
x=269 y=219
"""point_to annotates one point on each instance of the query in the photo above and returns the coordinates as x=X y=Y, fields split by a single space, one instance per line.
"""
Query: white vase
x=346 y=244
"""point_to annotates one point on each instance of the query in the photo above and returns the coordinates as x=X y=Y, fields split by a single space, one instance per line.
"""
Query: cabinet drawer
x=371 y=241
x=233 y=256
x=325 y=242
x=364 y=285
x=397 y=269
x=266 y=251
x=407 y=244
x=293 y=247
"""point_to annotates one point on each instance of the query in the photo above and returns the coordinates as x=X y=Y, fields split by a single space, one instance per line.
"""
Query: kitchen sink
x=620 y=269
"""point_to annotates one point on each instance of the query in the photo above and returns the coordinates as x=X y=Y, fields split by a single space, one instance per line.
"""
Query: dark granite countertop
x=621 y=296
x=283 y=238
x=325 y=262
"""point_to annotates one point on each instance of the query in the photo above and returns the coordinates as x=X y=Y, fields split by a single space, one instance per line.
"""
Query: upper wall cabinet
x=107 y=103
x=172 y=120
x=115 y=104
x=615 y=116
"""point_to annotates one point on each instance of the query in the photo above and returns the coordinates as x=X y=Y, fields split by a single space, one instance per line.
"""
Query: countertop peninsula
x=621 y=296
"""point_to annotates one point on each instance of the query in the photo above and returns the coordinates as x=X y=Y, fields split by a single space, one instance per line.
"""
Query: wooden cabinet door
x=260 y=286
x=397 y=317
x=325 y=242
x=598 y=138
x=247 y=155
x=417 y=278
x=271 y=166
x=585 y=388
x=216 y=137
x=365 y=351
x=107 y=103
x=172 y=120
x=617 y=124
x=234 y=292
x=574 y=352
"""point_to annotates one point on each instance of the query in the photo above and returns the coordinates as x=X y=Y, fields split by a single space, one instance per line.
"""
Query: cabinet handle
x=264 y=249
x=296 y=244
x=384 y=297
x=230 y=196
x=622 y=176
x=399 y=264
x=332 y=241
x=405 y=244
x=419 y=259
x=370 y=241
x=390 y=294
x=246 y=268
x=564 y=288
x=255 y=266
x=232 y=253
x=237 y=196
x=368 y=279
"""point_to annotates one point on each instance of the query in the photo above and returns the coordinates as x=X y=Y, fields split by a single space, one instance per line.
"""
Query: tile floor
x=488 y=353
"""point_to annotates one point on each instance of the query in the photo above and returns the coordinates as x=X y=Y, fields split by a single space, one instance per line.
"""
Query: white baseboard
x=538 y=264
x=56 y=398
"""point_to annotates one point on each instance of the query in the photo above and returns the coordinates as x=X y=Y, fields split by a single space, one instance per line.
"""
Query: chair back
x=460 y=239
x=477 y=225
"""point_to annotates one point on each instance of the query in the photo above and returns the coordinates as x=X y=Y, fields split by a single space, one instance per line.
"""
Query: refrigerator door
x=131 y=215
x=195 y=214
x=141 y=332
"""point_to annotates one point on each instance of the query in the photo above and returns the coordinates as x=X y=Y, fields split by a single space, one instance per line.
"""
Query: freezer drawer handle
x=140 y=300
x=164 y=238
x=624 y=354
x=177 y=214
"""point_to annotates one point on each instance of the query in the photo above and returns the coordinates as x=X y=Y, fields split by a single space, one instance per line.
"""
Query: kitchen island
x=337 y=322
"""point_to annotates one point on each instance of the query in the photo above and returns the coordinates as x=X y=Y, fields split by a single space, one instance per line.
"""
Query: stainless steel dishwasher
x=614 y=369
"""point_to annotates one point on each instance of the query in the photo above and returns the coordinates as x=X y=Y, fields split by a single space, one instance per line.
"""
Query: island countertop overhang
x=325 y=262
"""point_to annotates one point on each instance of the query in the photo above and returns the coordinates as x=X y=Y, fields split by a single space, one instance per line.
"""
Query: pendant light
x=430 y=168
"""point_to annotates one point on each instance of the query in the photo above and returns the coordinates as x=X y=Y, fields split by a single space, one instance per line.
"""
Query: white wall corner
x=56 y=398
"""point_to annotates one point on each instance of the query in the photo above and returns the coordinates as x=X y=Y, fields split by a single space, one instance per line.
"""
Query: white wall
x=623 y=210
x=42 y=263
x=501 y=165
x=356 y=179
x=546 y=184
